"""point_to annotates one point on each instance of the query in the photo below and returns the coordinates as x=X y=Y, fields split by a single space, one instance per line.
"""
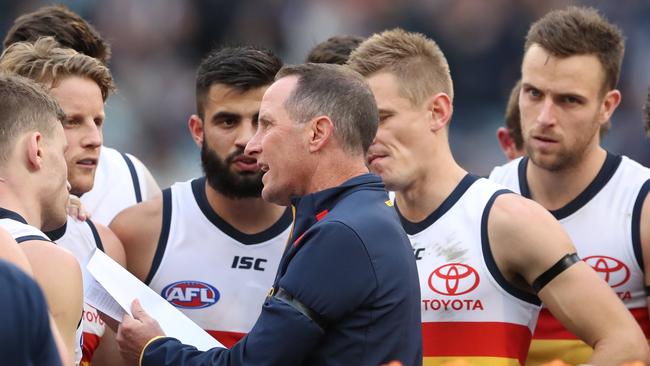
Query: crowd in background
x=157 y=45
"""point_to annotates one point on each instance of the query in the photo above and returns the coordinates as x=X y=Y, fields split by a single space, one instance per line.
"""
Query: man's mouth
x=87 y=162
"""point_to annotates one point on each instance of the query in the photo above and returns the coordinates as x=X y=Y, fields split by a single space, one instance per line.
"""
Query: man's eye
x=534 y=93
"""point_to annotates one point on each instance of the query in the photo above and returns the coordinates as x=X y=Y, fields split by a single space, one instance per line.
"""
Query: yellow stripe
x=571 y=351
x=147 y=345
x=470 y=361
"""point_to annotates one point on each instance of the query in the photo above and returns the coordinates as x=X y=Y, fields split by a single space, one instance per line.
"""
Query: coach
x=347 y=290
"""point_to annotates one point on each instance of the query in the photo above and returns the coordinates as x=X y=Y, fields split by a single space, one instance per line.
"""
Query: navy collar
x=57 y=234
x=198 y=190
x=8 y=214
x=313 y=207
x=413 y=228
x=600 y=180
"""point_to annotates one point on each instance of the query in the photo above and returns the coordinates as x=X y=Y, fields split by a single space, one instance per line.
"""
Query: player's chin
x=277 y=196
x=82 y=184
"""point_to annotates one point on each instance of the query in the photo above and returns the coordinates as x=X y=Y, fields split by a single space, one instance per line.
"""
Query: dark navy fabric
x=349 y=261
x=25 y=335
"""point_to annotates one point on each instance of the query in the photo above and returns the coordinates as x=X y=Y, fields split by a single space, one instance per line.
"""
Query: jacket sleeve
x=330 y=275
x=281 y=336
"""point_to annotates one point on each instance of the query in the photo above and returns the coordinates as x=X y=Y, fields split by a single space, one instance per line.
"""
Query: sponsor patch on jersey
x=610 y=269
x=453 y=279
x=191 y=294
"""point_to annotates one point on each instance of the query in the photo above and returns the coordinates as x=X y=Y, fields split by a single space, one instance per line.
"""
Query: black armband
x=559 y=267
x=287 y=298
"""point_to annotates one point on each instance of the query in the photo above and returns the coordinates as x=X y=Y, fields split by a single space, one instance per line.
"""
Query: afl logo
x=453 y=279
x=613 y=271
x=191 y=294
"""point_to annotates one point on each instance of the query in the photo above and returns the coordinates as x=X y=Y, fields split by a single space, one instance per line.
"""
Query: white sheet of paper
x=123 y=288
x=97 y=297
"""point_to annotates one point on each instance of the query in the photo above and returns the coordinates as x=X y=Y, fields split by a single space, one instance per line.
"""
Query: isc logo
x=191 y=294
x=248 y=263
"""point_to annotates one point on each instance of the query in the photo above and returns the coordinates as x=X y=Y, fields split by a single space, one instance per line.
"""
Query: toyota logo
x=453 y=279
x=613 y=271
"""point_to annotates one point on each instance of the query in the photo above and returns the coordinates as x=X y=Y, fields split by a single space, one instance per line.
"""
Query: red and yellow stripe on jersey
x=552 y=341
x=478 y=343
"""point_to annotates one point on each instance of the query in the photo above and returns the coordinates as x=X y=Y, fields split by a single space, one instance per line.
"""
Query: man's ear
x=505 y=142
x=439 y=105
x=195 y=125
x=34 y=148
x=610 y=102
x=321 y=131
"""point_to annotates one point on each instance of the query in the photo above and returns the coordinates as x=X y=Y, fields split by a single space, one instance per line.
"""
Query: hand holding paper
x=135 y=332
x=117 y=288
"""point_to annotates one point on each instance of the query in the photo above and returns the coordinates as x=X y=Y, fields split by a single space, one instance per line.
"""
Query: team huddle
x=289 y=249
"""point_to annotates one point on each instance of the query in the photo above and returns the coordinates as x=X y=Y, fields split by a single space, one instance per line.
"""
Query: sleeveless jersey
x=82 y=239
x=469 y=310
x=216 y=275
x=603 y=222
x=18 y=228
x=118 y=185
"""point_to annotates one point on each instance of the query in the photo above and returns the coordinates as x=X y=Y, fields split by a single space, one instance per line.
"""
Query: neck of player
x=555 y=189
x=435 y=181
x=237 y=212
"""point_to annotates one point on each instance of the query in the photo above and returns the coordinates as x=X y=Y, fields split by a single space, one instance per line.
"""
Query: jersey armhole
x=25 y=238
x=164 y=234
x=98 y=239
x=134 y=177
x=491 y=262
x=636 y=223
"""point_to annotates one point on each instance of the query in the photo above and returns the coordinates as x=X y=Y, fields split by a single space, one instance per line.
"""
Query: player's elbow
x=625 y=345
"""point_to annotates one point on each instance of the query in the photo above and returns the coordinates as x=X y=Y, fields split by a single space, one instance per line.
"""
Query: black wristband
x=559 y=267
x=647 y=291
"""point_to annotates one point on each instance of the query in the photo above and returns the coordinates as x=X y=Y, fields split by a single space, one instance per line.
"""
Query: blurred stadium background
x=157 y=45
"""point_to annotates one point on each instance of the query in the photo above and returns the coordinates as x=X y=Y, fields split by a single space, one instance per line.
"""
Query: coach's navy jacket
x=346 y=292
x=25 y=335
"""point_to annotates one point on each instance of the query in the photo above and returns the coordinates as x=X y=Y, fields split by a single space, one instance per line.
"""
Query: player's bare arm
x=58 y=273
x=526 y=242
x=138 y=228
x=113 y=247
x=10 y=251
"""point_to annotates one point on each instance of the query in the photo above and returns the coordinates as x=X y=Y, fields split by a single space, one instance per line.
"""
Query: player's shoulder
x=511 y=211
x=150 y=209
x=500 y=172
x=633 y=170
x=111 y=155
x=51 y=252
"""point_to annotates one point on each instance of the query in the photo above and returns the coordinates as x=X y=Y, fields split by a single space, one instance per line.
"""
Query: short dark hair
x=646 y=109
x=581 y=31
x=335 y=50
x=337 y=92
x=241 y=68
x=513 y=117
x=67 y=27
x=24 y=106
